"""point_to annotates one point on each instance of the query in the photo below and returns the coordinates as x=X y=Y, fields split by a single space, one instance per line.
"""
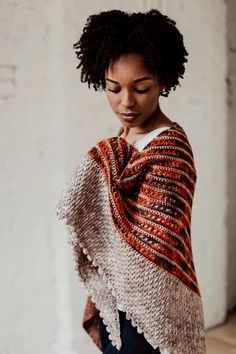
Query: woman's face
x=132 y=90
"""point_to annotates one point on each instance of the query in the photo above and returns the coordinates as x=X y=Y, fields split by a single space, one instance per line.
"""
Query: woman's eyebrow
x=137 y=80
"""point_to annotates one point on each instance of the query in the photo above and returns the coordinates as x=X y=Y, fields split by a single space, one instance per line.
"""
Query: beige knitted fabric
x=169 y=314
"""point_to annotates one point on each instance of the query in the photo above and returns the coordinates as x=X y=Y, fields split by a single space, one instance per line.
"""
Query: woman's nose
x=127 y=99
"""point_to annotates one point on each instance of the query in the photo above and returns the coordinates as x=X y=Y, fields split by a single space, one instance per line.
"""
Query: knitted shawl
x=128 y=216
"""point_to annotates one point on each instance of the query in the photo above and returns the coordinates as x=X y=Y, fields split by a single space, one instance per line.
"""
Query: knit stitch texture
x=128 y=215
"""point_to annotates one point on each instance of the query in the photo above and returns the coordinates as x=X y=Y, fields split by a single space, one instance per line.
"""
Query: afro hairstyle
x=109 y=34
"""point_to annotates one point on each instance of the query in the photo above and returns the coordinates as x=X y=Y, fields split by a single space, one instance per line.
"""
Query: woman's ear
x=162 y=86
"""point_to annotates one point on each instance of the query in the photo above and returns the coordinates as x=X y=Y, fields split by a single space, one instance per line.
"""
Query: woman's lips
x=128 y=117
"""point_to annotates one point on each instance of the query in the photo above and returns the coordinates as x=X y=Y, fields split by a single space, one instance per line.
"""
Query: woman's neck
x=157 y=120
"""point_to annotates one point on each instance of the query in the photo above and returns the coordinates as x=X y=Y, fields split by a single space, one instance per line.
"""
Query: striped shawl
x=128 y=215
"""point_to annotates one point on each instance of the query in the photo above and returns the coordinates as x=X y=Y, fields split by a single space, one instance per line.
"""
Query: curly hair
x=109 y=34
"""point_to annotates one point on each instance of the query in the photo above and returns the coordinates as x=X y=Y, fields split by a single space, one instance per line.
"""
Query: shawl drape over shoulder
x=128 y=216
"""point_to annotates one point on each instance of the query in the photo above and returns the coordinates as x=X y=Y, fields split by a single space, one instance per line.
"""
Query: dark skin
x=131 y=87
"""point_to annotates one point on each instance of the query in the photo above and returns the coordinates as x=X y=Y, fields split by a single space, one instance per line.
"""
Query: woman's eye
x=143 y=91
x=116 y=91
x=137 y=90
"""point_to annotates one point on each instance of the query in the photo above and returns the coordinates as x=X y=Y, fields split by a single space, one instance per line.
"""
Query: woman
x=128 y=202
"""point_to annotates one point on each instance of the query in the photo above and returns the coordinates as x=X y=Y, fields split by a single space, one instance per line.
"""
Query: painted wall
x=49 y=119
x=230 y=156
x=34 y=296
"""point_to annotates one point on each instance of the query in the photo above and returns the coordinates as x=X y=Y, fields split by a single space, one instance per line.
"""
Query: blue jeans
x=132 y=341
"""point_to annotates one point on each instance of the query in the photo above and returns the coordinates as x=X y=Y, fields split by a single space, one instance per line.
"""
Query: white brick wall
x=49 y=119
x=231 y=148
x=34 y=272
